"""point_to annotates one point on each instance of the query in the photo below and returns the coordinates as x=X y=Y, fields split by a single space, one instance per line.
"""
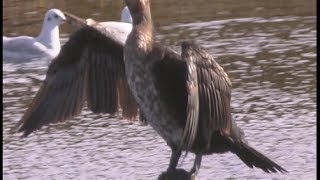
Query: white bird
x=125 y=20
x=120 y=30
x=45 y=46
x=126 y=16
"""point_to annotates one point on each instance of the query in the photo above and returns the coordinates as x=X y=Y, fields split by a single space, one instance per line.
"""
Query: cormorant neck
x=142 y=27
x=143 y=20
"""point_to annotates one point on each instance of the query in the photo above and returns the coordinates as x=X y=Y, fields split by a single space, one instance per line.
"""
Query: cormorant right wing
x=89 y=68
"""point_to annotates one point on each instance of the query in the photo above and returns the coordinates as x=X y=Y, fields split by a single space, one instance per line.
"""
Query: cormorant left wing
x=196 y=91
x=211 y=85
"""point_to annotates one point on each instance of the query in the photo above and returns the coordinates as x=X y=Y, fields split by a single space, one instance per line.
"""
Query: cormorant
x=185 y=98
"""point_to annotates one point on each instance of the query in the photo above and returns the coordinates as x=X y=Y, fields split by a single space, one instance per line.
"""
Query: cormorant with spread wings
x=185 y=98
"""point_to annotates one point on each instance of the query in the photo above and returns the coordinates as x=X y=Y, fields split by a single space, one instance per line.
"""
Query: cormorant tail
x=252 y=157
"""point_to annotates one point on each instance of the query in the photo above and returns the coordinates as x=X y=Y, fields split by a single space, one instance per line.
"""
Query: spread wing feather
x=90 y=69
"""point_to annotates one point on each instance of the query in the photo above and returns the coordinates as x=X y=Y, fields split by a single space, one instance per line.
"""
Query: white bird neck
x=126 y=16
x=49 y=35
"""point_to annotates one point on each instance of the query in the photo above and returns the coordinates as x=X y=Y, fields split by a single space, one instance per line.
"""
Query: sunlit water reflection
x=271 y=62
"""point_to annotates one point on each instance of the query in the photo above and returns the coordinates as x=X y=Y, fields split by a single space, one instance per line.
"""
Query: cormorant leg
x=197 y=163
x=175 y=155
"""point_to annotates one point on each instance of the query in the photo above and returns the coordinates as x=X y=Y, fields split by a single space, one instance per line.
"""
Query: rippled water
x=271 y=60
